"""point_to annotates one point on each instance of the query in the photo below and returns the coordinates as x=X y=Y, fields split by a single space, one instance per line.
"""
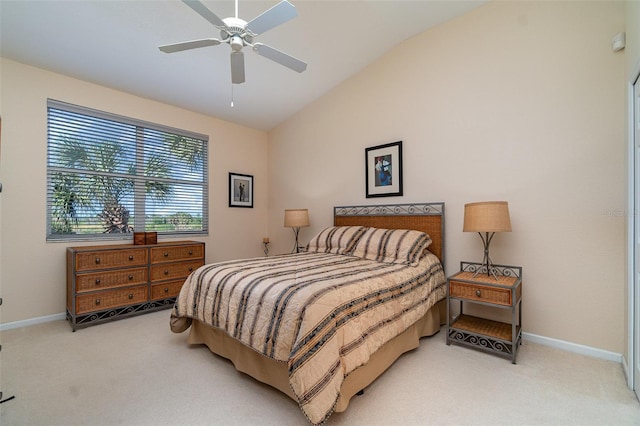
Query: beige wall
x=632 y=29
x=32 y=271
x=517 y=101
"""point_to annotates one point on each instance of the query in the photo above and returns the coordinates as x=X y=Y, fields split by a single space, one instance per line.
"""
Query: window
x=109 y=175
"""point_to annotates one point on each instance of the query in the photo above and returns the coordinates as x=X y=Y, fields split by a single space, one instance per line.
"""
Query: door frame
x=633 y=226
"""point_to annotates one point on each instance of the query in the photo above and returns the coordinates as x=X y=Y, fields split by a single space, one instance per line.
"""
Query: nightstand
x=505 y=292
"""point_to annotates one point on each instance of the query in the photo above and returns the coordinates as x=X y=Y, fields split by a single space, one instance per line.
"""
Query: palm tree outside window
x=109 y=175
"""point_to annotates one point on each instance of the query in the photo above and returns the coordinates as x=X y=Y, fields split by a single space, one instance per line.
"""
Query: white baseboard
x=626 y=372
x=32 y=321
x=573 y=347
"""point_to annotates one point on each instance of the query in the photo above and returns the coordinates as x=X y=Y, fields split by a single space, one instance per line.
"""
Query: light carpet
x=136 y=372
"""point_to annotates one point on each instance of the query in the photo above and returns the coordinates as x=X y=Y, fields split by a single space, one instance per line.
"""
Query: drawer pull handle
x=131 y=257
x=97 y=301
x=98 y=281
x=190 y=269
x=166 y=272
x=478 y=293
x=130 y=296
x=166 y=289
x=166 y=254
x=130 y=277
x=190 y=252
x=97 y=260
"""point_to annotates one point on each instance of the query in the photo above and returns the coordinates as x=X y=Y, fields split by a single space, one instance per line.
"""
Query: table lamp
x=487 y=217
x=296 y=219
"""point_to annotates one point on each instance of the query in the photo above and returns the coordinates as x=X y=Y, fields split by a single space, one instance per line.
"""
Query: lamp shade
x=296 y=218
x=487 y=216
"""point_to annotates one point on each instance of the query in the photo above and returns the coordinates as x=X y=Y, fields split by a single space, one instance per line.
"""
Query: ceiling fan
x=238 y=33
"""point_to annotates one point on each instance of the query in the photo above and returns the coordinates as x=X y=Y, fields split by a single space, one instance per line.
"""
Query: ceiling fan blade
x=277 y=15
x=279 y=57
x=202 y=10
x=237 y=67
x=177 y=47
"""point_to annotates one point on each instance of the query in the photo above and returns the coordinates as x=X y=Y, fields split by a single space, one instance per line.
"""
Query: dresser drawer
x=109 y=279
x=111 y=299
x=481 y=293
x=177 y=253
x=166 y=290
x=172 y=271
x=105 y=259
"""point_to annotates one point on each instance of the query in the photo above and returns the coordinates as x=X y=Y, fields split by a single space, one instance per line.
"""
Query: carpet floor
x=136 y=372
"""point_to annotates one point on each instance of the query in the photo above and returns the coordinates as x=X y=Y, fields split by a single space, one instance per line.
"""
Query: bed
x=323 y=324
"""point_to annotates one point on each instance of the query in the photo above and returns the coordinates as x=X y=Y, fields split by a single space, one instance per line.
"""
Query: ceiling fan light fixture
x=236 y=43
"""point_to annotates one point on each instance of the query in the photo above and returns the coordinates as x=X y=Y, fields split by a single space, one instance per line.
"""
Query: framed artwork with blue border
x=240 y=190
x=383 y=170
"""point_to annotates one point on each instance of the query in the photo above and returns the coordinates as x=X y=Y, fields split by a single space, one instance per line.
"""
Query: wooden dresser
x=108 y=282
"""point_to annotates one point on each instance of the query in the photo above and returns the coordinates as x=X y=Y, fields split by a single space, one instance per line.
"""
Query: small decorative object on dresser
x=142 y=238
x=151 y=237
x=504 y=291
x=139 y=238
x=107 y=282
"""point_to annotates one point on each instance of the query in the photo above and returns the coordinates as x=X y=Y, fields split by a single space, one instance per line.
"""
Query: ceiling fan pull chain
x=231 y=95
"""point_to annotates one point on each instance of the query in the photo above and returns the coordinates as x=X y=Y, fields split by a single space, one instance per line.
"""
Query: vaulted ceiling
x=115 y=44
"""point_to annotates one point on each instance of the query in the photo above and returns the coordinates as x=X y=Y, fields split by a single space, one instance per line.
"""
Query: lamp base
x=296 y=247
x=487 y=264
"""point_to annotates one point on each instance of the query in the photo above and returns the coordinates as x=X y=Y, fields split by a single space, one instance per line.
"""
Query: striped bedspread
x=323 y=314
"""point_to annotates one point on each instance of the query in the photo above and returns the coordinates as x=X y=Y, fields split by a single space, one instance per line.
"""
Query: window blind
x=108 y=176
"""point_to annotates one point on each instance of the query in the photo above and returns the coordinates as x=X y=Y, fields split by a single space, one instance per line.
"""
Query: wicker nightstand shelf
x=506 y=293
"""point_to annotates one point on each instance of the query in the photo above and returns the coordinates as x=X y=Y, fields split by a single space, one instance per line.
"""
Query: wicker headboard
x=425 y=217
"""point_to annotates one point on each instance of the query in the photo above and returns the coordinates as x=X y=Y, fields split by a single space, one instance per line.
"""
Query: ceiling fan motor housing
x=235 y=30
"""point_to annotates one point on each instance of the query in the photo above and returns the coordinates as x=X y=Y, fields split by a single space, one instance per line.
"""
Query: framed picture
x=240 y=190
x=383 y=170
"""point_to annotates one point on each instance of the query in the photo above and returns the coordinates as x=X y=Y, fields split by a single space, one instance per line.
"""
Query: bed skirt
x=275 y=373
